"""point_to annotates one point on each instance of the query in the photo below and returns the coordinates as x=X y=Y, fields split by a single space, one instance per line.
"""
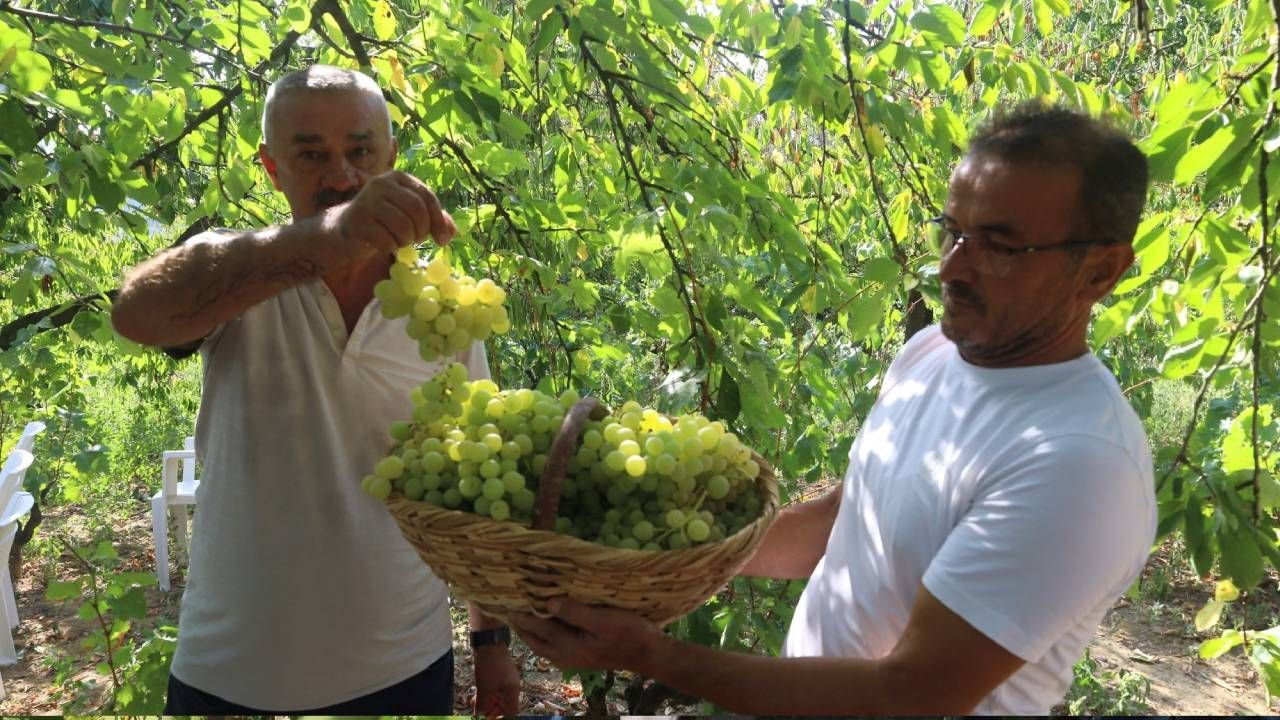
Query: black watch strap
x=495 y=636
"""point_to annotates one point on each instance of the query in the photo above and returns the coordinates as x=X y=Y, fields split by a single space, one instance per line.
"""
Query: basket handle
x=558 y=459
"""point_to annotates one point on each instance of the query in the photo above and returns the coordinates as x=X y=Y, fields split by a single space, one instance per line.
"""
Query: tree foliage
x=712 y=206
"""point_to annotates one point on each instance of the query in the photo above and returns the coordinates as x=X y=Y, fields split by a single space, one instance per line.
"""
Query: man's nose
x=958 y=265
x=341 y=175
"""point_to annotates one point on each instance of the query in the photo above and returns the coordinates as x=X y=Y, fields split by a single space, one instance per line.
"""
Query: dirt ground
x=1153 y=636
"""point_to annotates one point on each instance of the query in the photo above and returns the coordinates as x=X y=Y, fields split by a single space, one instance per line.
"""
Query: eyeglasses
x=990 y=257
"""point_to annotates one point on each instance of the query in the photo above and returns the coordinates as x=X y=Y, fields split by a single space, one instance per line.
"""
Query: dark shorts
x=430 y=692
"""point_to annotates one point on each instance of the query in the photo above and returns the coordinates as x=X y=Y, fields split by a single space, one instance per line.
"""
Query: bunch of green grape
x=636 y=479
x=447 y=311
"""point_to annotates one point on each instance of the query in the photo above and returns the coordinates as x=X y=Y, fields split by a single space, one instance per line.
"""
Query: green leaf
x=1264 y=653
x=547 y=32
x=1196 y=536
x=1241 y=559
x=537 y=9
x=881 y=270
x=1044 y=17
x=728 y=399
x=1182 y=360
x=59 y=590
x=1209 y=615
x=384 y=22
x=942 y=22
x=1203 y=155
x=30 y=72
x=132 y=605
x=1219 y=646
x=985 y=18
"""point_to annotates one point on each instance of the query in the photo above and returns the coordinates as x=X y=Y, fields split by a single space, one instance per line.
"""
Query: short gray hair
x=318 y=78
x=1113 y=171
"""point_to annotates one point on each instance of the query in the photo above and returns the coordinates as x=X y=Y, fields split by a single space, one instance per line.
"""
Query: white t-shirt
x=1022 y=498
x=302 y=592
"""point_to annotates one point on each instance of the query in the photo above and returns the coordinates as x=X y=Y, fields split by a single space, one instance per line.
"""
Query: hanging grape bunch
x=447 y=311
x=636 y=479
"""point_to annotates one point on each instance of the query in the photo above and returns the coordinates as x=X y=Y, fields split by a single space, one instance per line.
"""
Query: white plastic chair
x=172 y=499
x=17 y=503
x=29 y=433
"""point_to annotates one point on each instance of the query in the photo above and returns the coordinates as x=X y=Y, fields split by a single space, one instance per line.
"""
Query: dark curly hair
x=1113 y=171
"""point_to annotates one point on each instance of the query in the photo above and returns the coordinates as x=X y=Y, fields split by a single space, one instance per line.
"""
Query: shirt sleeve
x=1047 y=540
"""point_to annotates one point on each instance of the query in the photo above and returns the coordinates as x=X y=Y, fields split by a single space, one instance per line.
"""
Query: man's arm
x=496 y=675
x=797 y=540
x=182 y=294
x=940 y=666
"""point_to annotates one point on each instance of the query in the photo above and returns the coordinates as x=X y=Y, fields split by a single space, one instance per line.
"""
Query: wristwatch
x=495 y=636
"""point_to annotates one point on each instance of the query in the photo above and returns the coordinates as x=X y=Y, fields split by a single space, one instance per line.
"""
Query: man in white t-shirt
x=999 y=497
x=302 y=596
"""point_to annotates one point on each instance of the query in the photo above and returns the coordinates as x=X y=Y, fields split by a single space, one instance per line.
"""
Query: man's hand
x=391 y=211
x=580 y=636
x=497 y=682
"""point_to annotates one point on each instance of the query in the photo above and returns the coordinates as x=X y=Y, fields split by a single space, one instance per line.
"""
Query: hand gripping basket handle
x=587 y=408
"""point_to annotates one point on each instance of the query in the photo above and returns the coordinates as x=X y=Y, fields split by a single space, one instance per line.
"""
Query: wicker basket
x=504 y=567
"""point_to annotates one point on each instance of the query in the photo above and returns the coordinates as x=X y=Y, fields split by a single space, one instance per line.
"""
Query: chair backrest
x=11 y=475
x=189 y=464
x=170 y=460
x=29 y=433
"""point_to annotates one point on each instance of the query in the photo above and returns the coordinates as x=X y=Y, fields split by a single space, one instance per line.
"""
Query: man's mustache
x=327 y=198
x=963 y=293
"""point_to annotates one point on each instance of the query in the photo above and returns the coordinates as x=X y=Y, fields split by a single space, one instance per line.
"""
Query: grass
x=1120 y=692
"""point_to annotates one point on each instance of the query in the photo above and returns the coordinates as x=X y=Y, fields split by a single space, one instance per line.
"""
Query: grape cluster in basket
x=636 y=479
x=446 y=310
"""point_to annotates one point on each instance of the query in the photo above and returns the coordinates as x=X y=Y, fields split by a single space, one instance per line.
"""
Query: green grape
x=615 y=461
x=452 y=498
x=697 y=530
x=413 y=489
x=642 y=531
x=432 y=461
x=717 y=487
x=490 y=468
x=635 y=466
x=469 y=486
x=435 y=497
x=664 y=464
x=675 y=519
x=512 y=482
x=499 y=510
x=400 y=431
x=380 y=488
x=493 y=488
x=524 y=499
x=481 y=505
x=389 y=468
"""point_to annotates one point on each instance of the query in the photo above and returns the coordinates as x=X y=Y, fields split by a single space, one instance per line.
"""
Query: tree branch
x=228 y=96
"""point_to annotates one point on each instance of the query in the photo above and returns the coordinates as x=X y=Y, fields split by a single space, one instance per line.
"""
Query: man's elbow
x=131 y=320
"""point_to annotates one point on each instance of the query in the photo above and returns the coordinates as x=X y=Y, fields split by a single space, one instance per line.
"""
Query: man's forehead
x=330 y=114
x=988 y=171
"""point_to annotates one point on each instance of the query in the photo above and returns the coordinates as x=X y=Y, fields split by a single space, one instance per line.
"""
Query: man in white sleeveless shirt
x=999 y=497
x=302 y=596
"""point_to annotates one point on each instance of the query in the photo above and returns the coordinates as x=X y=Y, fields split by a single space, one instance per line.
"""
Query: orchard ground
x=1145 y=652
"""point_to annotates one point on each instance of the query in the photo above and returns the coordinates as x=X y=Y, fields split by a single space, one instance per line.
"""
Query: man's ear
x=1104 y=269
x=395 y=150
x=268 y=164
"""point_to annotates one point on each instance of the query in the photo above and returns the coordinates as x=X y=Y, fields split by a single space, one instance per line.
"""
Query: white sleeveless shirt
x=302 y=593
